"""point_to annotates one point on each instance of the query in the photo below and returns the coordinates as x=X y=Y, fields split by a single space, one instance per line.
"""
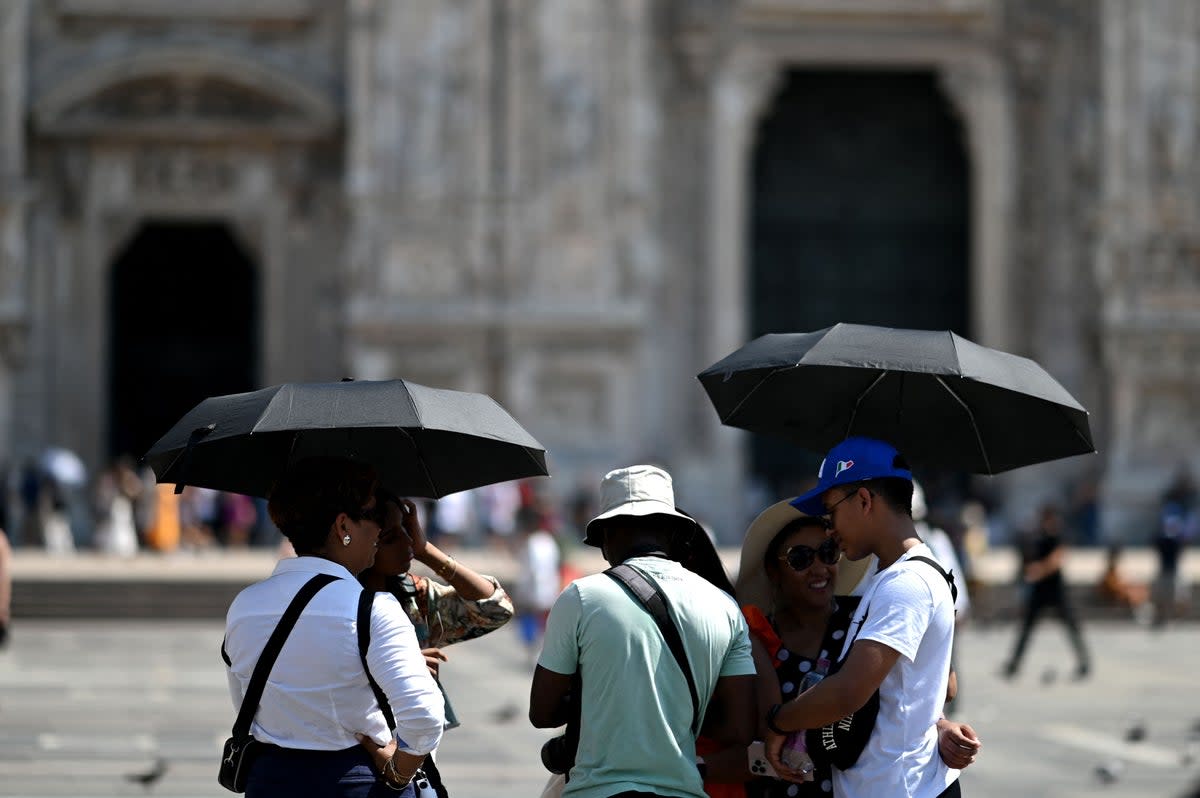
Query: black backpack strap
x=365 y=600
x=656 y=604
x=266 y=660
x=949 y=577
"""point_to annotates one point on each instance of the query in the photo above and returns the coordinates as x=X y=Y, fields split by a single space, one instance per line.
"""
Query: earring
x=346 y=539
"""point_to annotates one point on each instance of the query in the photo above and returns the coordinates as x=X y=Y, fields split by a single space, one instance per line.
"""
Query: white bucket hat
x=753 y=587
x=637 y=490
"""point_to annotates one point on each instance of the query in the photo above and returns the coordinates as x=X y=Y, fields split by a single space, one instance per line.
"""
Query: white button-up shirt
x=317 y=695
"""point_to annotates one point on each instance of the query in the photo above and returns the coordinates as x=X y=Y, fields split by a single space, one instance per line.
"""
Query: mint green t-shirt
x=635 y=732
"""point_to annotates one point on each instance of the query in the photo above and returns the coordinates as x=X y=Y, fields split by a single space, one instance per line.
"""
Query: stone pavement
x=201 y=584
x=84 y=704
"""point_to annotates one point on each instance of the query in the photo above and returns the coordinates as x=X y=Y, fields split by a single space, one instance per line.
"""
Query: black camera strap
x=270 y=652
x=655 y=603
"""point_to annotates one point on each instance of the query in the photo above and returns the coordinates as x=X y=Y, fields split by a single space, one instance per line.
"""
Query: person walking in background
x=1043 y=556
x=319 y=702
x=469 y=605
x=537 y=587
x=640 y=714
x=116 y=492
x=1177 y=524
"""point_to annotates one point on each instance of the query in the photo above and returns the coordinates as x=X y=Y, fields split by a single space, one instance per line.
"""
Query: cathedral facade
x=577 y=205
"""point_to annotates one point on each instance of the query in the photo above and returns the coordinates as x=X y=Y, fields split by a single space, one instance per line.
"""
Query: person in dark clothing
x=1045 y=587
x=1177 y=523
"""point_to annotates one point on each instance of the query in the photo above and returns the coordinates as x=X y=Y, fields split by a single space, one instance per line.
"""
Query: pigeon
x=1136 y=732
x=1109 y=772
x=151 y=776
x=1049 y=676
x=506 y=713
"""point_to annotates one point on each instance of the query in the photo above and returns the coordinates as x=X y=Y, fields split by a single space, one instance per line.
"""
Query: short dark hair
x=896 y=492
x=305 y=502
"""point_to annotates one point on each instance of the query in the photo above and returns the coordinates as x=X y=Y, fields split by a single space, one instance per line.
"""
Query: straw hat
x=753 y=586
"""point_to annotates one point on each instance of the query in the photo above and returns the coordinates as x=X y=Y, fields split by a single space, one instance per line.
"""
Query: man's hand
x=433 y=658
x=773 y=746
x=957 y=743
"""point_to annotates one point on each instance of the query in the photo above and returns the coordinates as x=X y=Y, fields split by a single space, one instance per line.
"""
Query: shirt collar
x=311 y=565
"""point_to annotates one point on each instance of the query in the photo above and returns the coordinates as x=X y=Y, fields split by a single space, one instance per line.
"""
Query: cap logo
x=844 y=465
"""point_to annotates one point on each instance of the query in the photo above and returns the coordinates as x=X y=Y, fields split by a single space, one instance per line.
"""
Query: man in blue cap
x=899 y=641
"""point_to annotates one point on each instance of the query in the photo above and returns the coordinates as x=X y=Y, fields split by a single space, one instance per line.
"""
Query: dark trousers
x=953 y=791
x=1038 y=602
x=280 y=772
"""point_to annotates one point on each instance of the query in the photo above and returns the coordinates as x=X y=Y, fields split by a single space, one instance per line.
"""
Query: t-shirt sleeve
x=739 y=661
x=560 y=644
x=899 y=613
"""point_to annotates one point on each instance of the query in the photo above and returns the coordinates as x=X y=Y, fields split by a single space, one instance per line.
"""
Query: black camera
x=558 y=753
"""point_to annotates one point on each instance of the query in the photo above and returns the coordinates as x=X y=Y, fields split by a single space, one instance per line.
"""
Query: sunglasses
x=376 y=514
x=800 y=558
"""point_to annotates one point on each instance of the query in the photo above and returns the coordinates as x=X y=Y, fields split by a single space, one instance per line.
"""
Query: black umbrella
x=937 y=397
x=423 y=441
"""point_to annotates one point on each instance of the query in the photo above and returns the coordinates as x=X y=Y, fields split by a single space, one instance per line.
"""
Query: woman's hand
x=957 y=743
x=412 y=527
x=380 y=754
x=433 y=658
x=773 y=747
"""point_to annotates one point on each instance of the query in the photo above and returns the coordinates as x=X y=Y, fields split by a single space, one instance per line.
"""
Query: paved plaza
x=84 y=704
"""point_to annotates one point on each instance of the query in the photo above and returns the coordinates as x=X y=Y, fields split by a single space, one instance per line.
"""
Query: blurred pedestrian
x=469 y=605
x=538 y=560
x=1177 y=524
x=116 y=491
x=319 y=701
x=1114 y=588
x=1043 y=556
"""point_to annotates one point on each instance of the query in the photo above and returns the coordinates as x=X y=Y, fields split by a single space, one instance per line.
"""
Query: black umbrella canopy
x=939 y=398
x=424 y=441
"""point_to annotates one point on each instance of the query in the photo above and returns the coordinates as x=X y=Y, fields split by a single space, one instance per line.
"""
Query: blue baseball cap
x=853 y=460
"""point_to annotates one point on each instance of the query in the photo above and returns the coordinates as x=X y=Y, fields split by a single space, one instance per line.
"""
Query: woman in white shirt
x=326 y=733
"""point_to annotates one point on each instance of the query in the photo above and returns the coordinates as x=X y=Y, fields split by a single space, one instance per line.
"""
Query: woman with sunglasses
x=320 y=724
x=798 y=595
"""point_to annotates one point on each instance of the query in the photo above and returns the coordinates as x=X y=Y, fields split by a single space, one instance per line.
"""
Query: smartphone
x=756 y=753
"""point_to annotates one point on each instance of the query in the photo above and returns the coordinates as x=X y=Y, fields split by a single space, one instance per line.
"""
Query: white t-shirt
x=907 y=608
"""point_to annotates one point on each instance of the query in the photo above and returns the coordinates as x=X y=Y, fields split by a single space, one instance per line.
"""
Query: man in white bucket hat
x=637 y=730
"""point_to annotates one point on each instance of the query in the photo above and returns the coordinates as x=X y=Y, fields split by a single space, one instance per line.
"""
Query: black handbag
x=241 y=748
x=842 y=742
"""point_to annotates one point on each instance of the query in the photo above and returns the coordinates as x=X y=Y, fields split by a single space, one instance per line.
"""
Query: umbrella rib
x=750 y=393
x=987 y=463
x=858 y=401
x=421 y=460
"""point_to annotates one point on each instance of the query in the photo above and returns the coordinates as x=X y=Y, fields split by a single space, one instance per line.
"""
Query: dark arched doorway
x=184 y=325
x=860 y=214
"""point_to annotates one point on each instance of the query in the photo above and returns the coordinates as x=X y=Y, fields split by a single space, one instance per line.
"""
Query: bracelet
x=450 y=565
x=771 y=713
x=395 y=782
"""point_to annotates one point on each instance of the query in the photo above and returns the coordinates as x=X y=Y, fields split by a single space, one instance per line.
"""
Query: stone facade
x=546 y=200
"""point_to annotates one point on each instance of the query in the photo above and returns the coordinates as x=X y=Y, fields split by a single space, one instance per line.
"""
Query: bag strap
x=656 y=604
x=266 y=660
x=937 y=566
x=365 y=601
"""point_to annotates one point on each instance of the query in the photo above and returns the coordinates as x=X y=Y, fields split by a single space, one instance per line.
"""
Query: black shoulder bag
x=241 y=748
x=842 y=742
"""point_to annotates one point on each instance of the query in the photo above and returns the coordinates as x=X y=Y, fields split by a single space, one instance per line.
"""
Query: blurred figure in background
x=1042 y=556
x=117 y=489
x=1116 y=589
x=537 y=587
x=164 y=531
x=1177 y=525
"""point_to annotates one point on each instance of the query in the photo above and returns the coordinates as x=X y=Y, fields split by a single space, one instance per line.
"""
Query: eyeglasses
x=376 y=514
x=829 y=510
x=800 y=558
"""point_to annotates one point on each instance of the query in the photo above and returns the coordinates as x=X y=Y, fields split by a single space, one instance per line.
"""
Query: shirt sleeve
x=453 y=619
x=739 y=661
x=899 y=613
x=560 y=644
x=398 y=666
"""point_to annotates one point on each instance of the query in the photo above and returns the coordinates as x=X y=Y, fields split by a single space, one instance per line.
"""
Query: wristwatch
x=771 y=713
